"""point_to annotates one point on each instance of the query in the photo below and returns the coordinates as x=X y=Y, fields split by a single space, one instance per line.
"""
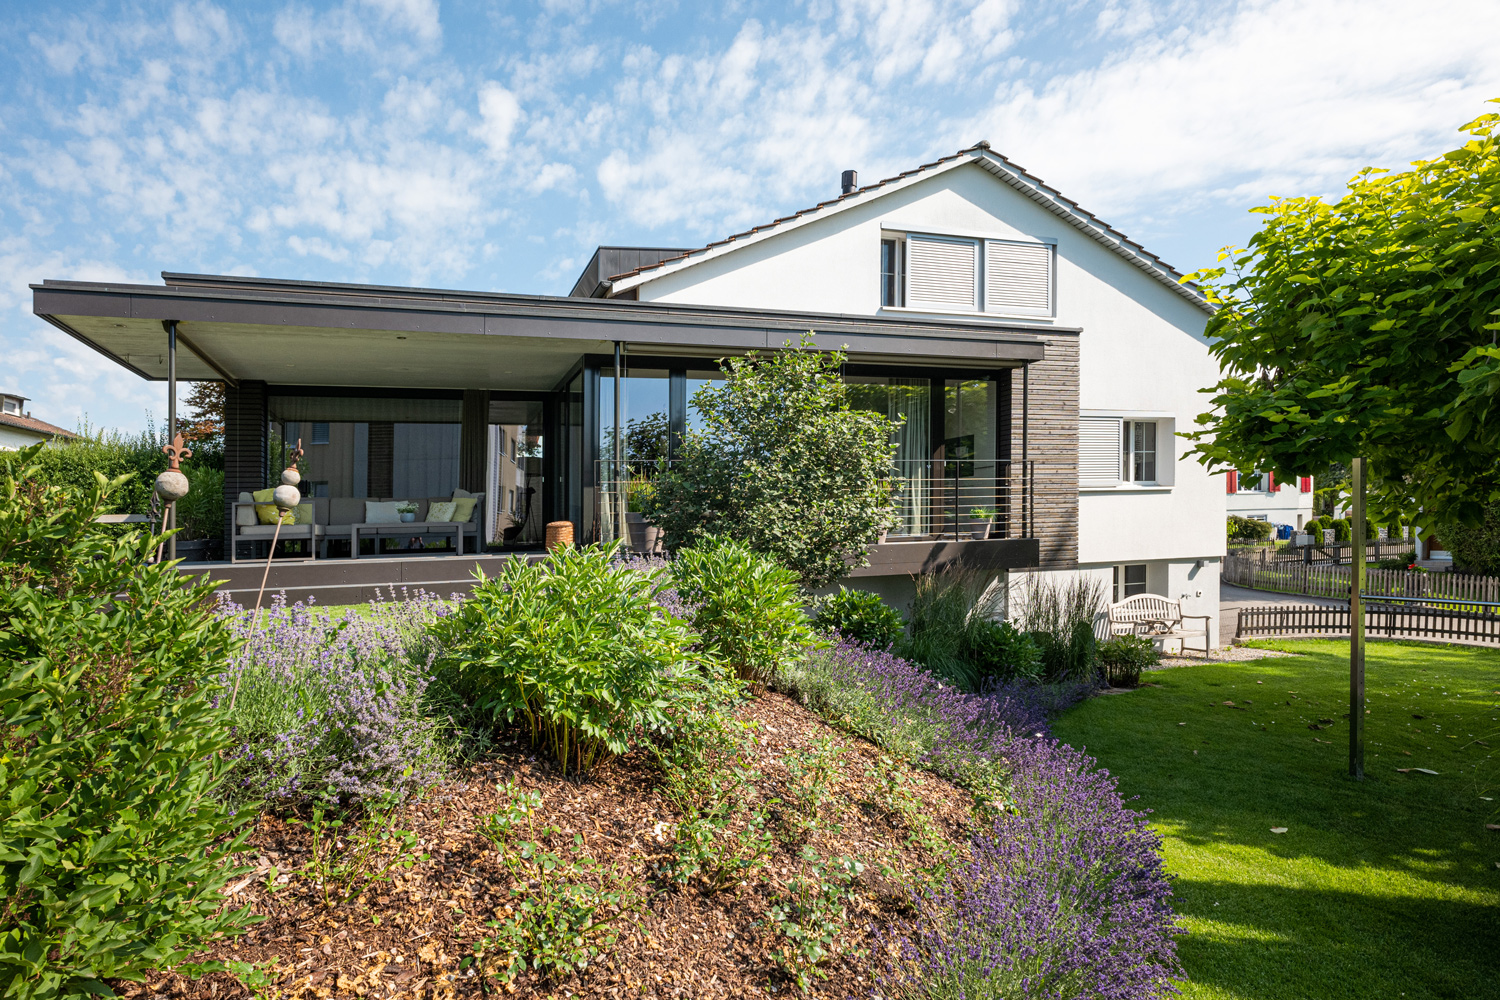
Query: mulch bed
x=407 y=937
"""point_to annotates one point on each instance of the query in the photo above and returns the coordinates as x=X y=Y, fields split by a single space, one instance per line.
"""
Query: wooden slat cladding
x=245 y=469
x=1053 y=446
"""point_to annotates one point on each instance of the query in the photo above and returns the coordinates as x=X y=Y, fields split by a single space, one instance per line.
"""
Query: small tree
x=1366 y=329
x=783 y=464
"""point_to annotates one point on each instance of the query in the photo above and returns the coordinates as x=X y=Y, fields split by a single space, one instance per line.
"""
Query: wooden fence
x=1470 y=623
x=1334 y=581
x=1326 y=554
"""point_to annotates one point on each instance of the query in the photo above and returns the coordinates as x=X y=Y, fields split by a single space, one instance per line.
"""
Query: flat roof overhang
x=311 y=333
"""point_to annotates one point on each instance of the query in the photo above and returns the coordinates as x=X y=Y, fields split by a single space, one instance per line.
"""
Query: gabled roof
x=35 y=426
x=1033 y=187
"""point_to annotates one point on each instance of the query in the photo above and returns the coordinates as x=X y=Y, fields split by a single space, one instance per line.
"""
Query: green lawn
x=1388 y=887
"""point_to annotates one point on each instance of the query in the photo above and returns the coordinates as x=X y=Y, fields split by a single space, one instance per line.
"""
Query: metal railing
x=959 y=500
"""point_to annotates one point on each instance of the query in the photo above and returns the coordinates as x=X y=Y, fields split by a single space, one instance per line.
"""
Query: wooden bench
x=1157 y=618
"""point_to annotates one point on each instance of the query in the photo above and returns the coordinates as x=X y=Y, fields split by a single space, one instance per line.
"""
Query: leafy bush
x=744 y=606
x=812 y=915
x=1125 y=656
x=1000 y=651
x=1476 y=547
x=859 y=614
x=1248 y=529
x=113 y=846
x=784 y=464
x=334 y=707
x=575 y=648
x=1060 y=616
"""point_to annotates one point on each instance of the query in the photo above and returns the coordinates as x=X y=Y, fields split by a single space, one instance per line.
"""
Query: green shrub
x=575 y=648
x=200 y=514
x=1248 y=529
x=999 y=651
x=1476 y=547
x=746 y=608
x=113 y=846
x=859 y=614
x=784 y=463
x=1125 y=656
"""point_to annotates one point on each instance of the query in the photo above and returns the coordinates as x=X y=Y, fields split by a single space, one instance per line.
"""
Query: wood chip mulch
x=408 y=937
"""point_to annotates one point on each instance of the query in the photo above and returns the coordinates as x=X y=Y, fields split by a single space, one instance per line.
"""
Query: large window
x=369 y=447
x=1125 y=452
x=964 y=274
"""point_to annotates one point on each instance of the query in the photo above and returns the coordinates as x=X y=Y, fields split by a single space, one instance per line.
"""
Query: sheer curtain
x=910 y=401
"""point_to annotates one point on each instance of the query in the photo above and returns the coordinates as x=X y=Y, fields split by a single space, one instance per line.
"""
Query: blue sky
x=493 y=146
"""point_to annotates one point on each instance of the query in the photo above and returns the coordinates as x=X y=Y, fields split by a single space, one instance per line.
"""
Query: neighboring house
x=973 y=239
x=1042 y=365
x=1259 y=496
x=19 y=429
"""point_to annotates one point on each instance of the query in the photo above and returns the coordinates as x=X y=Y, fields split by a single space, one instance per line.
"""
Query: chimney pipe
x=848 y=182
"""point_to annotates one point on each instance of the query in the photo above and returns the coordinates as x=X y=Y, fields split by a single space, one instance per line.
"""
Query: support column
x=245 y=444
x=473 y=460
x=171 y=326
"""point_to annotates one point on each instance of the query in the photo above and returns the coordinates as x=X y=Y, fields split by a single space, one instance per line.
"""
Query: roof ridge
x=1020 y=177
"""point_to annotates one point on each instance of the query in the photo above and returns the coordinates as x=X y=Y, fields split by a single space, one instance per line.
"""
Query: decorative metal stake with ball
x=286 y=497
x=171 y=485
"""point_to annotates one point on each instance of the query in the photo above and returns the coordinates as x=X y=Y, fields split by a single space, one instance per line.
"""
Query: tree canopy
x=783 y=464
x=1367 y=328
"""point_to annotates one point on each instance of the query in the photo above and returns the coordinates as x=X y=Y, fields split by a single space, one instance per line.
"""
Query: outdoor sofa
x=324 y=519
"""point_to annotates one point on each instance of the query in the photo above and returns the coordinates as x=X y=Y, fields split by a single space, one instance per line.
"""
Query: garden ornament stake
x=171 y=485
x=286 y=497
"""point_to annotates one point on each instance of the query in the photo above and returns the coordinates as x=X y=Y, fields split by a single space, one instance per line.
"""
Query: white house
x=975 y=239
x=19 y=429
x=1261 y=497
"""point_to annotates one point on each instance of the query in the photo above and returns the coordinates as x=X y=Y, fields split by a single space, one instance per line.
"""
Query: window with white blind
x=962 y=274
x=1017 y=278
x=942 y=273
x=1125 y=452
x=1099 y=449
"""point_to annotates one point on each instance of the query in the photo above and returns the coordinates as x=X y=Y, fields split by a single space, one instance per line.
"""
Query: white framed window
x=11 y=406
x=1126 y=451
x=967 y=274
x=1139 y=455
x=893 y=272
x=1130 y=579
x=1252 y=482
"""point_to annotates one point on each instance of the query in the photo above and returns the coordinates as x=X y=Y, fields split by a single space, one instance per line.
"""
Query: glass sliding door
x=514 y=477
x=973 y=471
x=908 y=403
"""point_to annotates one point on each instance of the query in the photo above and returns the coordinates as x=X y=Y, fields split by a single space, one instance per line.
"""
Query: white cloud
x=499 y=114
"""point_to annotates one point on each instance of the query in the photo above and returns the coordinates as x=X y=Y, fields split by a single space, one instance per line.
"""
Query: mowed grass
x=1387 y=887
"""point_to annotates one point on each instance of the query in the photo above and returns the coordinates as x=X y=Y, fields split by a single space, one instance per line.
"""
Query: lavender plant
x=1065 y=896
x=1068 y=898
x=331 y=706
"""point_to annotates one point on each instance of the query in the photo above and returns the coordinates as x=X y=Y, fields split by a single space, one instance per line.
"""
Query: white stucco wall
x=1142 y=346
x=14 y=439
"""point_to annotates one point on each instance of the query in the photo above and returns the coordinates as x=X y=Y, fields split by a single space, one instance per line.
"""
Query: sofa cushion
x=244 y=514
x=441 y=510
x=269 y=513
x=287 y=531
x=305 y=513
x=381 y=512
x=263 y=496
x=346 y=510
x=463 y=508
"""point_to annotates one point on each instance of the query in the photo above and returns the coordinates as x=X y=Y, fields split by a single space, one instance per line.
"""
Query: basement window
x=1130 y=580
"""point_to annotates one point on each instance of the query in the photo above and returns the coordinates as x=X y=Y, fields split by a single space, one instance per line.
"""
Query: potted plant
x=988 y=517
x=643 y=536
x=407 y=510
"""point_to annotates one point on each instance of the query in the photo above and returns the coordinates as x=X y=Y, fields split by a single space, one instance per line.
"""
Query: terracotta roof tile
x=34 y=425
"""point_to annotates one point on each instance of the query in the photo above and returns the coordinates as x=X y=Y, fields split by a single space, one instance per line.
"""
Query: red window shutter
x=1270 y=482
x=1306 y=484
x=1232 y=481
